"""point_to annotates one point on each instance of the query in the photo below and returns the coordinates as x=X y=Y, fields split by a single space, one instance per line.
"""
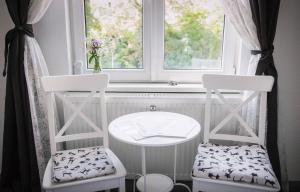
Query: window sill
x=155 y=88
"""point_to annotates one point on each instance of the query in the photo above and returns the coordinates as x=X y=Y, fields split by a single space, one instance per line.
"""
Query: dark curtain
x=265 y=15
x=19 y=163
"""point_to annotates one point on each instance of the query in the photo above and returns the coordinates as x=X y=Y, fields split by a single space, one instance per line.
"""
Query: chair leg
x=195 y=187
x=122 y=187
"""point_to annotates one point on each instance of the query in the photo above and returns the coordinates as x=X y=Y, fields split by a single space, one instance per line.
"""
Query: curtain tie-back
x=263 y=52
x=11 y=34
x=265 y=60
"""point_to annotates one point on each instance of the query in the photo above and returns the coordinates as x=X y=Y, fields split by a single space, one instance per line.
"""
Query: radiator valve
x=153 y=108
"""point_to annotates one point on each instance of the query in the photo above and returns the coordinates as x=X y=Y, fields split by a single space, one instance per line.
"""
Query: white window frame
x=153 y=48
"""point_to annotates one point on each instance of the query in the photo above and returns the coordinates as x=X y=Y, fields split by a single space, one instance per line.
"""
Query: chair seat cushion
x=80 y=164
x=248 y=164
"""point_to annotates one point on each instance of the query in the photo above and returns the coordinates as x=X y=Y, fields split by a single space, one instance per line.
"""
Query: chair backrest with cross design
x=258 y=85
x=95 y=86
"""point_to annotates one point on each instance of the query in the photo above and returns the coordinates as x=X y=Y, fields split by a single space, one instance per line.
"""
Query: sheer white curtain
x=35 y=67
x=240 y=16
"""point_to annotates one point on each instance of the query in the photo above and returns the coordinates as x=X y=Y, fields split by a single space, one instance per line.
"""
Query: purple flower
x=95 y=43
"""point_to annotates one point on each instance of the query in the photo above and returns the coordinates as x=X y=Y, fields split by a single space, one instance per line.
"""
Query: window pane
x=193 y=34
x=117 y=27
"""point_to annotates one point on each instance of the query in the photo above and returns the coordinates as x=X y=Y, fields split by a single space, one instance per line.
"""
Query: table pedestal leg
x=175 y=163
x=144 y=166
x=174 y=177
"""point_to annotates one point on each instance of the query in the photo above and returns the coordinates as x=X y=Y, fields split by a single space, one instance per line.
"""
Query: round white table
x=123 y=129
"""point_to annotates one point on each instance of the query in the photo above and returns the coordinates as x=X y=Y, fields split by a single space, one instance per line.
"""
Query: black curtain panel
x=19 y=163
x=265 y=15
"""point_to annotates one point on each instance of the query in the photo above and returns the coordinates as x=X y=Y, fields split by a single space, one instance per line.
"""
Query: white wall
x=5 y=25
x=287 y=60
x=52 y=36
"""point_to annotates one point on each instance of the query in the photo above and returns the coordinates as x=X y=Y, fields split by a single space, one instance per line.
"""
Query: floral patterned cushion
x=248 y=164
x=81 y=164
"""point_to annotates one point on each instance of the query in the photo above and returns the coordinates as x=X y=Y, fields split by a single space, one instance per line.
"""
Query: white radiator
x=159 y=160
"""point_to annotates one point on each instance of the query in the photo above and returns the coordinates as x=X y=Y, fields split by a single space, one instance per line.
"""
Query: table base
x=155 y=183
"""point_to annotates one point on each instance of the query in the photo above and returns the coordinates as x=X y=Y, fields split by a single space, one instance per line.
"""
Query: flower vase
x=97 y=65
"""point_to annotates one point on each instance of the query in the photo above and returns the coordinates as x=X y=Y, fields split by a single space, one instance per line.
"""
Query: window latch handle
x=172 y=83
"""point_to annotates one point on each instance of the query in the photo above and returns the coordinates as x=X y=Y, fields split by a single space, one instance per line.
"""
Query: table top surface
x=155 y=118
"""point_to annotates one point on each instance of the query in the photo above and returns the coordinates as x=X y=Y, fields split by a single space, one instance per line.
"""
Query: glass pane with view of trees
x=117 y=25
x=193 y=33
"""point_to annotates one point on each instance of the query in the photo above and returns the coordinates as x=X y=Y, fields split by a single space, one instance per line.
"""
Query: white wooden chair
x=89 y=169
x=241 y=168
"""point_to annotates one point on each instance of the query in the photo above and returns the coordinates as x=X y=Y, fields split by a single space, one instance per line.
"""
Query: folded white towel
x=157 y=126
